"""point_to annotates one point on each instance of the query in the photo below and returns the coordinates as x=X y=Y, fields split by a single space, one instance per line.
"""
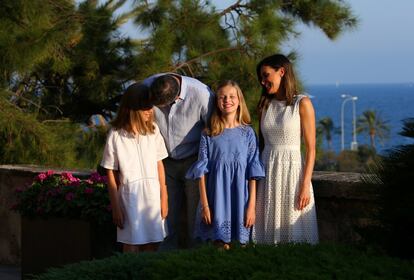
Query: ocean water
x=393 y=102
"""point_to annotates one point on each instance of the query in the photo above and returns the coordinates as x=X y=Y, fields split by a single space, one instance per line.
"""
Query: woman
x=285 y=209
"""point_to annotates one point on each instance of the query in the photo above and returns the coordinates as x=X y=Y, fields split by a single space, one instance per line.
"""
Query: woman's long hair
x=242 y=116
x=288 y=85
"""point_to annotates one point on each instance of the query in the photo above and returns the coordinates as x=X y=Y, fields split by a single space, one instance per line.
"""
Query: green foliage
x=59 y=143
x=327 y=161
x=34 y=31
x=23 y=139
x=66 y=60
x=360 y=161
x=287 y=261
x=395 y=174
x=82 y=68
x=314 y=13
x=326 y=127
x=346 y=161
x=89 y=147
x=63 y=195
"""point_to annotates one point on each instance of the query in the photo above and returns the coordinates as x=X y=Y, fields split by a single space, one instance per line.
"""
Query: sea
x=393 y=103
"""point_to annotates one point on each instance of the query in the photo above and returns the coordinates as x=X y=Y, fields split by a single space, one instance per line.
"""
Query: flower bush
x=63 y=195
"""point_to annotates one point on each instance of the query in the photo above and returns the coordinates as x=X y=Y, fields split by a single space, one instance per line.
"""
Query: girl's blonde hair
x=242 y=116
x=135 y=99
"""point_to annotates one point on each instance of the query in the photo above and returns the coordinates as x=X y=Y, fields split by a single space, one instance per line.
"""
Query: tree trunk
x=372 y=138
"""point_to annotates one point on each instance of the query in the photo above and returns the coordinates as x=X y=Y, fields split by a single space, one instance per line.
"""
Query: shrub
x=395 y=175
x=289 y=261
x=63 y=195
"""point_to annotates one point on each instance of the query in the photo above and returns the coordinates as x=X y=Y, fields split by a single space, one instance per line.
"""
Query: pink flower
x=69 y=196
x=68 y=179
x=68 y=176
x=89 y=190
x=89 y=181
x=41 y=177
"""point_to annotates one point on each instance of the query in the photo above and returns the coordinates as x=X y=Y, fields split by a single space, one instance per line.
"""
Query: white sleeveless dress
x=277 y=217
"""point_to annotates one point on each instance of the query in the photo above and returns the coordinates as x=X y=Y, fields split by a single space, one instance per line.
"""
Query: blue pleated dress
x=228 y=160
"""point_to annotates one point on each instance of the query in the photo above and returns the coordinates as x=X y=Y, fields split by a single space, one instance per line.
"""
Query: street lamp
x=354 y=144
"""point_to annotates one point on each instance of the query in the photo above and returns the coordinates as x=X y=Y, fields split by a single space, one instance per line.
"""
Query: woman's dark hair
x=164 y=90
x=288 y=86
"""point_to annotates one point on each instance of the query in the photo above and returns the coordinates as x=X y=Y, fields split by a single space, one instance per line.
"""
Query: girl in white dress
x=285 y=209
x=134 y=150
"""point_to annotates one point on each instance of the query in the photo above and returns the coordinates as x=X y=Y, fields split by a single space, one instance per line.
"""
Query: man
x=183 y=109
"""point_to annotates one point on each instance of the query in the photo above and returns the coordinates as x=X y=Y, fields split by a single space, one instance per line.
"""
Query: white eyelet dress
x=139 y=191
x=277 y=217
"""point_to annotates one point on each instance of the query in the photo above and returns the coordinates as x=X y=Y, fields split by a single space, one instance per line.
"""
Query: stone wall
x=343 y=205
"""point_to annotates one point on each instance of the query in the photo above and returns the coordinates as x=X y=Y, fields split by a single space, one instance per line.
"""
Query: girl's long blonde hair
x=217 y=125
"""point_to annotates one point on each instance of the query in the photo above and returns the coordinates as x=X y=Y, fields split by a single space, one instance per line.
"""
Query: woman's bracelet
x=203 y=207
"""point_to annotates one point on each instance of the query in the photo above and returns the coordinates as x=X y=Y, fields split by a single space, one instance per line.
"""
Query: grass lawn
x=289 y=261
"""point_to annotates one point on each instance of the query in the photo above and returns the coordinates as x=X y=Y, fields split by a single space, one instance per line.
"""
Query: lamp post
x=354 y=143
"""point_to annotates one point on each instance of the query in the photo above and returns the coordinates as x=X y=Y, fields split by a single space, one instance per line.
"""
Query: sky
x=379 y=50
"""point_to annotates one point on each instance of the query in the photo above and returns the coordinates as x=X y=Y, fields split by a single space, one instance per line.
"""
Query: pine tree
x=65 y=61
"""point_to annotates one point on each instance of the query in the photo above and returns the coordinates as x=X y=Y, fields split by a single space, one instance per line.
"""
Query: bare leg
x=127 y=248
x=150 y=247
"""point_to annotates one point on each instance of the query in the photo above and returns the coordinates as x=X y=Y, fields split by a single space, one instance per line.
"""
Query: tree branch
x=231 y=8
x=188 y=62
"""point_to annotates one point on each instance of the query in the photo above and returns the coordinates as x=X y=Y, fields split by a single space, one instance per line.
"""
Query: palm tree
x=372 y=123
x=325 y=127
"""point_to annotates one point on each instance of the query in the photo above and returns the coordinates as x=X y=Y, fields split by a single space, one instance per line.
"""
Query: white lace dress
x=277 y=217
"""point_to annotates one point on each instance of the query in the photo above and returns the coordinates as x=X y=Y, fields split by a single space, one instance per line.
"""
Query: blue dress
x=229 y=160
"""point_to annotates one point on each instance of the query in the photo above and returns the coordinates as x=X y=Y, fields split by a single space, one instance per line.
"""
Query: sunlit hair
x=126 y=118
x=288 y=85
x=242 y=115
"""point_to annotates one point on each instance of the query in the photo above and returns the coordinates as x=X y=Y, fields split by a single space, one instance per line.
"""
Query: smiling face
x=228 y=100
x=271 y=78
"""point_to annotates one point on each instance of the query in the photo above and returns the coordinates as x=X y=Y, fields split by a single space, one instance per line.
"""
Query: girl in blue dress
x=227 y=168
